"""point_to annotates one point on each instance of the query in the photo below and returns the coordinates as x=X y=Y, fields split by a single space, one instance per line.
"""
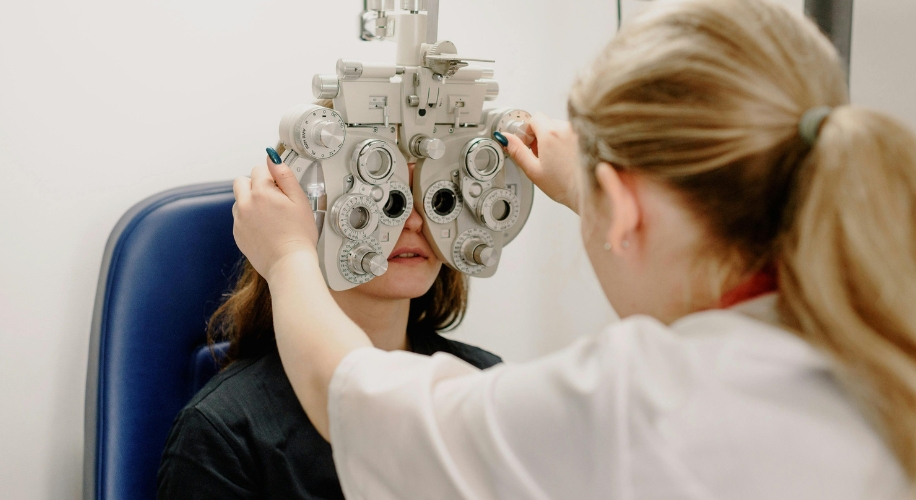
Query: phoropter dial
x=397 y=208
x=360 y=261
x=474 y=251
x=365 y=260
x=313 y=131
x=442 y=202
x=444 y=67
x=516 y=122
x=355 y=216
x=482 y=158
x=374 y=161
x=498 y=209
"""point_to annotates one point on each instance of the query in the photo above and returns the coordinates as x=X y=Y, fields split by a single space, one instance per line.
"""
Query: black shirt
x=245 y=435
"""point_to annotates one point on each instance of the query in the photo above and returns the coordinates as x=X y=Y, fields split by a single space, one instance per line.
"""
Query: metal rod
x=432 y=21
x=835 y=19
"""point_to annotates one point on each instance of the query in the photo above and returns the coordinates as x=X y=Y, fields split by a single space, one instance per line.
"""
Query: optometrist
x=756 y=234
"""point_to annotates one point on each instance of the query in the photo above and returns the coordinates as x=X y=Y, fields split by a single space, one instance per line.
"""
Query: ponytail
x=706 y=96
x=848 y=264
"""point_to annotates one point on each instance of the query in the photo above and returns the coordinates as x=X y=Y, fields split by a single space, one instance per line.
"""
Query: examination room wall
x=103 y=103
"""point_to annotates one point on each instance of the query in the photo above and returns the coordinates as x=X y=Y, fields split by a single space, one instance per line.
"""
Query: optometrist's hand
x=272 y=219
x=553 y=160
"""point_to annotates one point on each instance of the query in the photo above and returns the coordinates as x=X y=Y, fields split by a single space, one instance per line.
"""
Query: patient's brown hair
x=245 y=318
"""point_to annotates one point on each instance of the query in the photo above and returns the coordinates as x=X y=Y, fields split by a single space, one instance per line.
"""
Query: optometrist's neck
x=383 y=320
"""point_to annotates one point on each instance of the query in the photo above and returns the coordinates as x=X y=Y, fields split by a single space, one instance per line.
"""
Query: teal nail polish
x=274 y=157
x=501 y=139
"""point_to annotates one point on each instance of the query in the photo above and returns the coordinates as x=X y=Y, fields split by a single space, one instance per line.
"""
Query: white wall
x=104 y=102
x=883 y=74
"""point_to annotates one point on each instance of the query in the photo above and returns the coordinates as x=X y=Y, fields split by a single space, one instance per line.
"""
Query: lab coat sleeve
x=410 y=426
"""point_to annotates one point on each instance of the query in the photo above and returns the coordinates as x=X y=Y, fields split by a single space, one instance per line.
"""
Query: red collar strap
x=762 y=283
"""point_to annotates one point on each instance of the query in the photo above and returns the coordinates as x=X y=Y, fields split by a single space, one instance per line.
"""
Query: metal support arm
x=835 y=19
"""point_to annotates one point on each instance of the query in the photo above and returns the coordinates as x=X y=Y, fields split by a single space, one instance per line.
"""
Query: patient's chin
x=405 y=279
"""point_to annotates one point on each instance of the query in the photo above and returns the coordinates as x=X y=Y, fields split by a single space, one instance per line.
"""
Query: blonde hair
x=706 y=96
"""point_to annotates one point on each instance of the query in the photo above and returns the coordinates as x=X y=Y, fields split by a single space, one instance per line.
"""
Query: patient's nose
x=414 y=221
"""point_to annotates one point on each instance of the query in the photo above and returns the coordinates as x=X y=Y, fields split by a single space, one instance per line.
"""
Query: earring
x=625 y=244
x=607 y=246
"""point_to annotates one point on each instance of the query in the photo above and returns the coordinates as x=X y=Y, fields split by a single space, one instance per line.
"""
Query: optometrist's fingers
x=241 y=188
x=557 y=158
x=286 y=180
x=523 y=157
x=261 y=179
x=541 y=125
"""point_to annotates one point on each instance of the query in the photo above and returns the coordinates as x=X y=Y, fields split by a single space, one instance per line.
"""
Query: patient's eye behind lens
x=396 y=205
x=444 y=202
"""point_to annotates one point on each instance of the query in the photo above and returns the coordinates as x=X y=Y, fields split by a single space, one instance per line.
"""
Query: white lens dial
x=474 y=251
x=516 y=122
x=355 y=216
x=482 y=159
x=364 y=256
x=442 y=202
x=374 y=161
x=498 y=209
x=313 y=131
x=398 y=206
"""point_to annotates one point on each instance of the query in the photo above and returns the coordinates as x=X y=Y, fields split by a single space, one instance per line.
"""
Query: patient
x=244 y=435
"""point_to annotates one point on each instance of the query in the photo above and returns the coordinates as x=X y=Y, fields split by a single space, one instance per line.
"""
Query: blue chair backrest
x=166 y=265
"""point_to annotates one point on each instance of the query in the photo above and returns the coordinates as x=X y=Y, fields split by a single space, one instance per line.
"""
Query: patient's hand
x=272 y=220
x=553 y=160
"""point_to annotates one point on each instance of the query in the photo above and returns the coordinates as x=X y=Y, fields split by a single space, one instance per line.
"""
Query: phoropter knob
x=414 y=5
x=432 y=148
x=313 y=131
x=325 y=86
x=480 y=253
x=521 y=130
x=427 y=147
x=515 y=122
x=380 y=5
x=446 y=68
x=329 y=134
x=364 y=260
x=492 y=90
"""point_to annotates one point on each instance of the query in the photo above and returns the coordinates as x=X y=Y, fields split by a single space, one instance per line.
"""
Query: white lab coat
x=722 y=404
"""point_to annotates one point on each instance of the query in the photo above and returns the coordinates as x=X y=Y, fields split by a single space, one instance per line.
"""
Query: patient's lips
x=407 y=255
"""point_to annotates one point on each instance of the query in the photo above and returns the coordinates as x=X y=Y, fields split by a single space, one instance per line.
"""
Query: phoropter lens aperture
x=501 y=210
x=359 y=218
x=378 y=164
x=396 y=205
x=486 y=161
x=444 y=202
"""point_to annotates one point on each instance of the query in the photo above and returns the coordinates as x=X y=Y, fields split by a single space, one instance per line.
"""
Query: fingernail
x=501 y=139
x=274 y=157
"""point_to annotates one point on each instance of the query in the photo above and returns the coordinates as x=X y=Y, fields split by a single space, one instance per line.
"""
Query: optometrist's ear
x=624 y=210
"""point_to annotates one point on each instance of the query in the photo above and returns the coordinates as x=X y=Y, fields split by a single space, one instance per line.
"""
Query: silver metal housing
x=498 y=209
x=426 y=106
x=482 y=158
x=355 y=216
x=374 y=161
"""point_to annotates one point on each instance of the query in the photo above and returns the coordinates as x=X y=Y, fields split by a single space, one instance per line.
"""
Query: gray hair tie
x=810 y=125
